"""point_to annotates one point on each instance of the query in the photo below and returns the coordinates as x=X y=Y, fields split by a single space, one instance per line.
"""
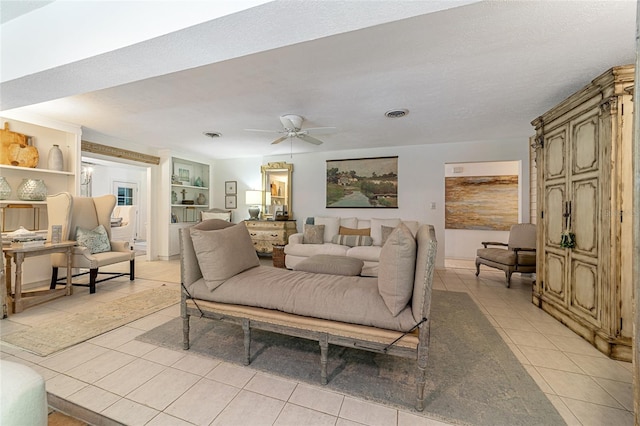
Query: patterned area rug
x=53 y=336
x=472 y=376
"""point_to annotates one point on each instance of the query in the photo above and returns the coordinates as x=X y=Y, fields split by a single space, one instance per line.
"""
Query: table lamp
x=253 y=199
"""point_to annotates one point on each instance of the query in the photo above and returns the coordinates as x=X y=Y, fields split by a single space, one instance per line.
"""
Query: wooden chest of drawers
x=266 y=233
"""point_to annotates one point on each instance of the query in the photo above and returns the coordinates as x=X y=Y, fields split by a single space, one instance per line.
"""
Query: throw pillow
x=96 y=240
x=223 y=253
x=352 y=240
x=313 y=234
x=386 y=231
x=331 y=226
x=396 y=269
x=351 y=231
x=376 y=228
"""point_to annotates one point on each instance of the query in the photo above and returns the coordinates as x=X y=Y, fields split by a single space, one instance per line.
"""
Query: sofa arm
x=296 y=238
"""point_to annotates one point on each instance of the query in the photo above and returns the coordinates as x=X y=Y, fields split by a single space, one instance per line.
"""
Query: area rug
x=61 y=333
x=472 y=376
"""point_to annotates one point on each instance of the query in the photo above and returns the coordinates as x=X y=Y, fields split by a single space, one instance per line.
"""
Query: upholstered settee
x=350 y=236
x=222 y=279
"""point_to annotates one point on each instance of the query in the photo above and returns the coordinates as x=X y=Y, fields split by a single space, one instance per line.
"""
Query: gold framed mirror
x=276 y=190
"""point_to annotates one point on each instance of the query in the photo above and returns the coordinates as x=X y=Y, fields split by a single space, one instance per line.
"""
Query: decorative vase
x=174 y=197
x=5 y=188
x=54 y=160
x=201 y=199
x=32 y=190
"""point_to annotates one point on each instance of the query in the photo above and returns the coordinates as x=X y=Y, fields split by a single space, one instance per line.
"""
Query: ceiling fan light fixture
x=212 y=134
x=396 y=113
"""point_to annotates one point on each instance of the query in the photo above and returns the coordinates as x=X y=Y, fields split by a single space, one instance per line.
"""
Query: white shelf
x=202 y=206
x=4 y=202
x=176 y=185
x=36 y=170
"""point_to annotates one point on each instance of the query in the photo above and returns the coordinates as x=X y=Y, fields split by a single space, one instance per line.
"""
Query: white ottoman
x=23 y=397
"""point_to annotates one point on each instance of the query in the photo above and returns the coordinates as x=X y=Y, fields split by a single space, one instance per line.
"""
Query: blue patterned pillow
x=96 y=240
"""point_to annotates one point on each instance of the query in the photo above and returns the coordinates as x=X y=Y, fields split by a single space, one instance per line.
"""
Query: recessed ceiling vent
x=396 y=113
x=212 y=134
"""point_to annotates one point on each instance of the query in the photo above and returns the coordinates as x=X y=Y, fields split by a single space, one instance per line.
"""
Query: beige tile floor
x=141 y=384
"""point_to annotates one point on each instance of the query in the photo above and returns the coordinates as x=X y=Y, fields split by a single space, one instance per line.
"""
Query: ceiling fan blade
x=320 y=130
x=263 y=131
x=288 y=124
x=310 y=139
x=277 y=141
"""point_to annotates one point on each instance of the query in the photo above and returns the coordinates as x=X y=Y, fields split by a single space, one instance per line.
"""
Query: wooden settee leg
x=423 y=355
x=422 y=380
x=324 y=355
x=185 y=332
x=247 y=341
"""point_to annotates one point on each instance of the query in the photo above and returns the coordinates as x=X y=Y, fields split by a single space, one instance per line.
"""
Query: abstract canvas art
x=481 y=202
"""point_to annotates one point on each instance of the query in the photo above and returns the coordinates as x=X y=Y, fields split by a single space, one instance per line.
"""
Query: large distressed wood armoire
x=584 y=197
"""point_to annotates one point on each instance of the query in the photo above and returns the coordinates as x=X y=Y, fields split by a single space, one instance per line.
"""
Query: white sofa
x=297 y=251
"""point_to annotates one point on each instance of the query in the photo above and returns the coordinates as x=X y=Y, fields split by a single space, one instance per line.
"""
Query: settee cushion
x=352 y=240
x=396 y=270
x=333 y=265
x=376 y=228
x=223 y=253
x=313 y=234
x=354 y=231
x=351 y=299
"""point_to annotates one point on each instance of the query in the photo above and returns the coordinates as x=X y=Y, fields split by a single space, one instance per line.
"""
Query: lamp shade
x=253 y=197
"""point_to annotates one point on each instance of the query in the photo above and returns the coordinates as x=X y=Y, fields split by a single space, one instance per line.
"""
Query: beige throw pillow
x=376 y=228
x=386 y=231
x=313 y=234
x=396 y=269
x=223 y=253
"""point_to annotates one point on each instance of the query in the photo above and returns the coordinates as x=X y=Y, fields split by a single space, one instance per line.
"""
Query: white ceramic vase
x=55 y=160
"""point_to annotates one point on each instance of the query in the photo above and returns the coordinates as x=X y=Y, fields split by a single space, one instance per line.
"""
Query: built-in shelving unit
x=189 y=190
x=32 y=215
x=43 y=133
x=182 y=180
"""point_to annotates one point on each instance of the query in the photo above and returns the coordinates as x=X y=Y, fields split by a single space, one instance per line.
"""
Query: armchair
x=518 y=256
x=127 y=229
x=87 y=213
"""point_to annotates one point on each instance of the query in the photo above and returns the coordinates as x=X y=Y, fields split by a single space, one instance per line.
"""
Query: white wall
x=421 y=172
x=463 y=243
x=246 y=172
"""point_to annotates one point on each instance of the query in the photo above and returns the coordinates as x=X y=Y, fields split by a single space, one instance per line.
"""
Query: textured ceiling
x=479 y=71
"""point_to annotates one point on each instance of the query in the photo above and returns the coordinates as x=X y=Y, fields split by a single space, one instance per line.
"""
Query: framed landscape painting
x=362 y=183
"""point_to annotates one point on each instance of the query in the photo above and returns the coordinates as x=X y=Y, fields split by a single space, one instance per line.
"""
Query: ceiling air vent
x=396 y=113
x=212 y=134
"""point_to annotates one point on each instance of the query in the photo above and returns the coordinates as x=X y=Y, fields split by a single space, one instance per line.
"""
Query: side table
x=278 y=256
x=19 y=300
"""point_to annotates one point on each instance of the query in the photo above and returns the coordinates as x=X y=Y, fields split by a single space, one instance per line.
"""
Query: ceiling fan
x=292 y=128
